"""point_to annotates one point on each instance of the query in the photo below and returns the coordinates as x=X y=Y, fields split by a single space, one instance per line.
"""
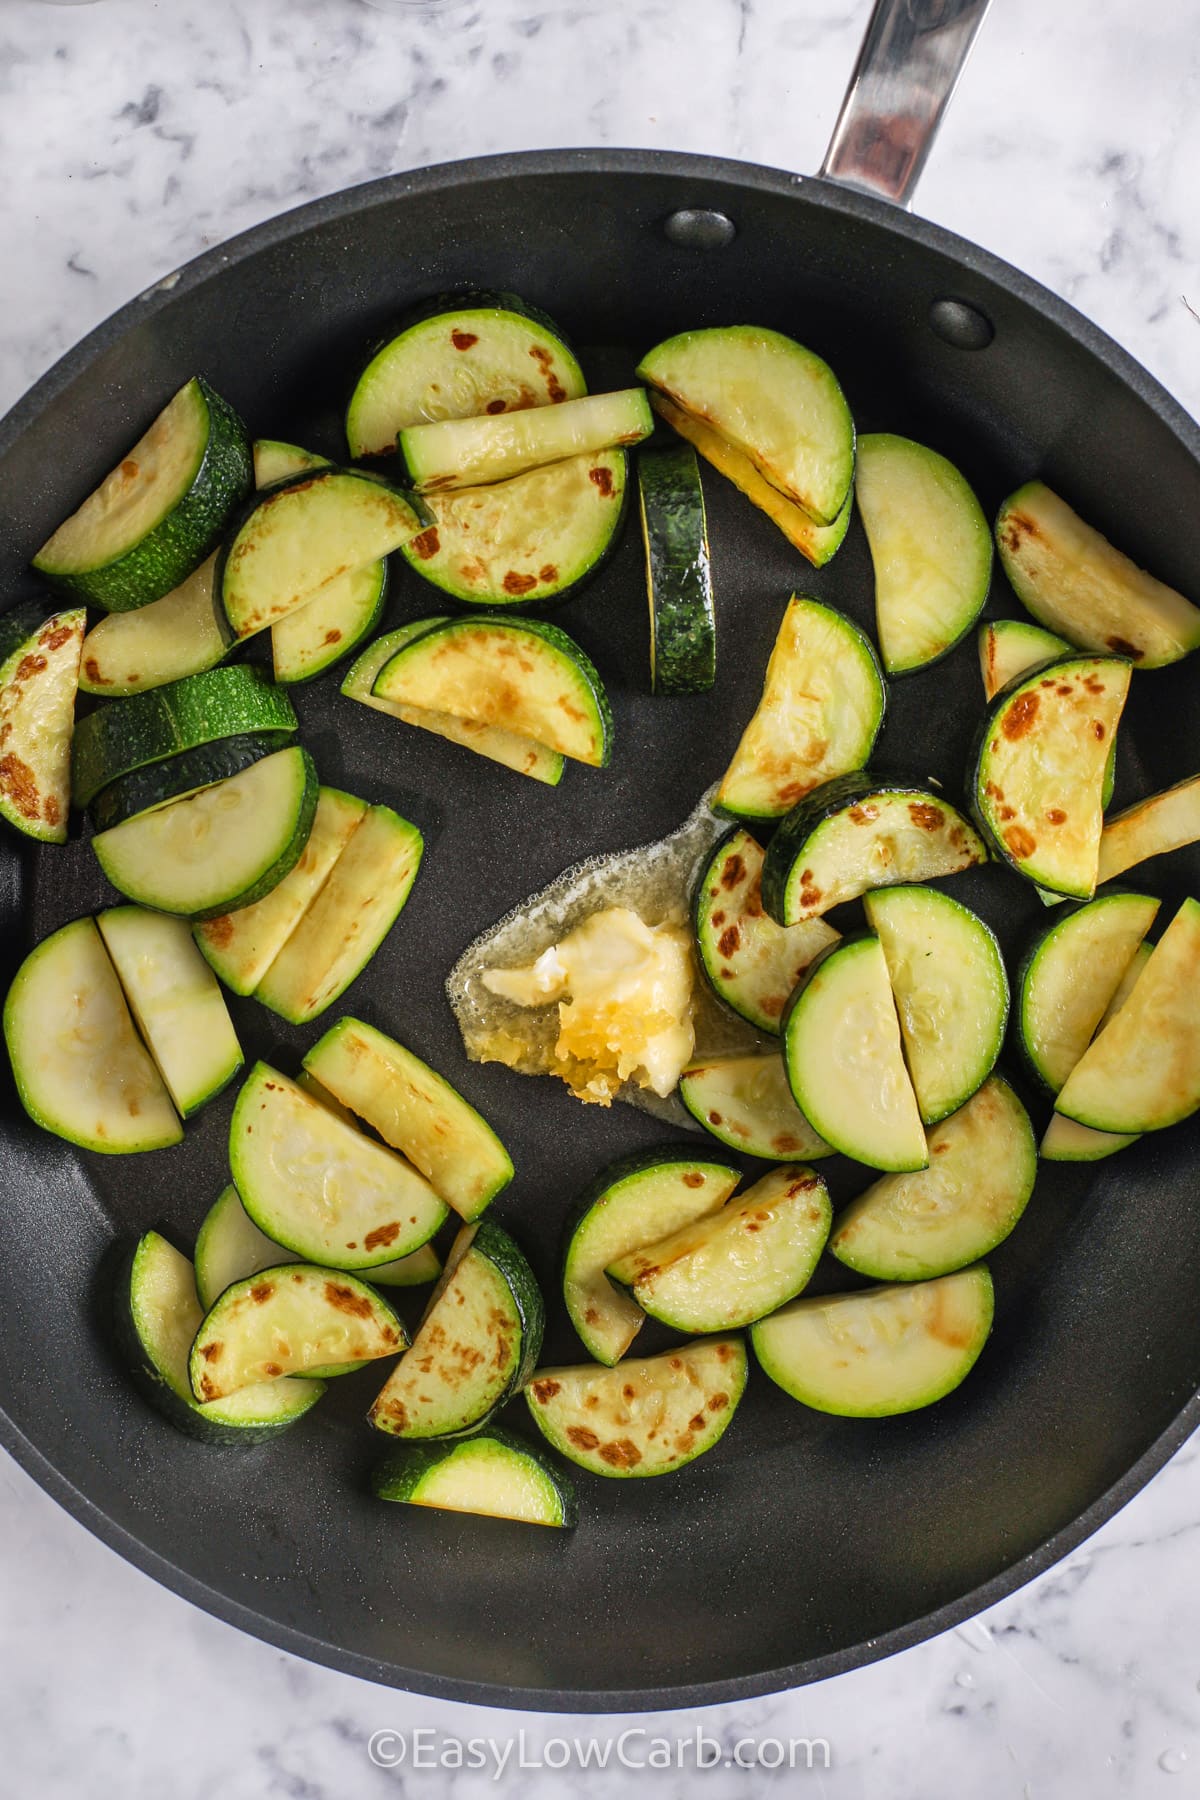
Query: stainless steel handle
x=907 y=70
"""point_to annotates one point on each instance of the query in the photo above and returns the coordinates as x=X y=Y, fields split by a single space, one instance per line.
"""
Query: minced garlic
x=624 y=994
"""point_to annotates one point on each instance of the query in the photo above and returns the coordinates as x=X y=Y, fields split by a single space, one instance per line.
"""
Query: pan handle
x=908 y=68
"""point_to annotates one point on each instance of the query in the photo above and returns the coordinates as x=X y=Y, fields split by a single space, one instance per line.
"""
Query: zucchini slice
x=477 y=1344
x=241 y=946
x=229 y=1246
x=1073 y=581
x=494 y=1475
x=344 y=925
x=931 y=549
x=816 y=542
x=752 y=963
x=462 y=355
x=289 y=1321
x=736 y=1265
x=81 y=1070
x=177 y=777
x=648 y=1417
x=951 y=993
x=38 y=682
x=1156 y=825
x=1125 y=986
x=746 y=1102
x=822 y=706
x=318 y=1186
x=312 y=1086
x=224 y=847
x=329 y=626
x=174 y=998
x=520 y=674
x=637 y=1201
x=1040 y=767
x=1012 y=647
x=529 y=540
x=772 y=399
x=303 y=535
x=183 y=633
x=150 y=728
x=683 y=621
x=845 y=1064
x=275 y=460
x=882 y=1350
x=343 y=613
x=157 y=1318
x=492 y=741
x=467 y=453
x=860 y=832
x=1065 y=1141
x=1070 y=974
x=982 y=1168
x=416 y=1111
x=1142 y=1072
x=160 y=512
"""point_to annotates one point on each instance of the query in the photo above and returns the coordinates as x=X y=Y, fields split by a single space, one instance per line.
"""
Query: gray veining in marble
x=132 y=135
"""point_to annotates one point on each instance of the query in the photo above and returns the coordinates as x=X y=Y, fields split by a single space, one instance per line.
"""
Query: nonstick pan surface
x=802 y=1545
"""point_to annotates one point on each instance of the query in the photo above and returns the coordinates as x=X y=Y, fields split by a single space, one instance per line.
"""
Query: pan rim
x=982 y=264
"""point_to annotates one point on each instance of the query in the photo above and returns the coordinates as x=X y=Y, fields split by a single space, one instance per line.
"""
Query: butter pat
x=624 y=995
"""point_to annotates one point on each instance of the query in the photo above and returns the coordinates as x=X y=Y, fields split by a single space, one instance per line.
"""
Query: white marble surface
x=133 y=134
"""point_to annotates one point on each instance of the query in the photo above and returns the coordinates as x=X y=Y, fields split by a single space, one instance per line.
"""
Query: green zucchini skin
x=404 y=1473
x=179 y=543
x=683 y=624
x=143 y=789
x=129 y=734
x=839 y=795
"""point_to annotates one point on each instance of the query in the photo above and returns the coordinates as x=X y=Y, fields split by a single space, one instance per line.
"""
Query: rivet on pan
x=961 y=325
x=697 y=228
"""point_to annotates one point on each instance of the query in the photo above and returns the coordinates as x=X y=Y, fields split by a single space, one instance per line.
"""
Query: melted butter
x=624 y=990
x=593 y=979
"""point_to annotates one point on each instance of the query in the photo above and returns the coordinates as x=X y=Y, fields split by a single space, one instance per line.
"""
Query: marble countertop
x=135 y=134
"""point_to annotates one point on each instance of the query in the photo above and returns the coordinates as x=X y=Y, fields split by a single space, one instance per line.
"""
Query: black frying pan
x=803 y=1545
